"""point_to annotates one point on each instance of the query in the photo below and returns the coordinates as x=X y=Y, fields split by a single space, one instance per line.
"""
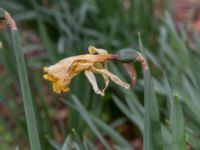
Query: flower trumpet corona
x=61 y=73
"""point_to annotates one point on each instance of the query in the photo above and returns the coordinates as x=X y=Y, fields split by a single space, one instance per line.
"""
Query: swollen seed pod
x=129 y=55
x=126 y=55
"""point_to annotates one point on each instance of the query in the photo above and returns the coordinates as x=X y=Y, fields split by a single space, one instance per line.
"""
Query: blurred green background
x=54 y=29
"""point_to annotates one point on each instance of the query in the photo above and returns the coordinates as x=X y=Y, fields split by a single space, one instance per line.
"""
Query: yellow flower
x=62 y=72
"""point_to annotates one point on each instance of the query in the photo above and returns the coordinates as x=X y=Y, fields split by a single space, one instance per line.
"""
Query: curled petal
x=113 y=77
x=93 y=82
x=49 y=77
x=93 y=50
x=106 y=79
x=131 y=72
x=56 y=87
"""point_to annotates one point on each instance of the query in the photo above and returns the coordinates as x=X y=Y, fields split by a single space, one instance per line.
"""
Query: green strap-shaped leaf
x=111 y=132
x=152 y=125
x=176 y=119
x=26 y=94
x=177 y=126
x=79 y=107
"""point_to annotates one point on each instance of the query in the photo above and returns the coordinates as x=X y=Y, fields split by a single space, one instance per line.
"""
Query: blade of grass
x=194 y=141
x=46 y=40
x=177 y=126
x=152 y=125
x=46 y=118
x=176 y=119
x=110 y=131
x=135 y=118
x=26 y=93
x=78 y=106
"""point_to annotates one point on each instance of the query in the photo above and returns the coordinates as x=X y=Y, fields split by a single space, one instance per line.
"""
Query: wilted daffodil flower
x=61 y=73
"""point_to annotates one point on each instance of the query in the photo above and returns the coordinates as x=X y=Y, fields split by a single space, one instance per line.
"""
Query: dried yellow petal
x=113 y=77
x=93 y=50
x=91 y=77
